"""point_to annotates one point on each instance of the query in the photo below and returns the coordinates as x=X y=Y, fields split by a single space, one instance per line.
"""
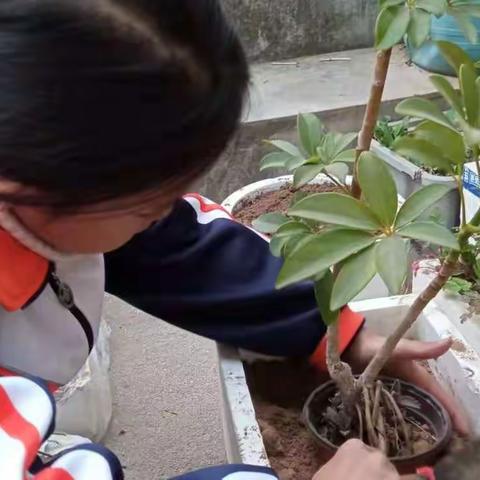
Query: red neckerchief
x=22 y=273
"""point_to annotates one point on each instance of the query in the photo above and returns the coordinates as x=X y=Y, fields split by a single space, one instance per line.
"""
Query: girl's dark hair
x=100 y=99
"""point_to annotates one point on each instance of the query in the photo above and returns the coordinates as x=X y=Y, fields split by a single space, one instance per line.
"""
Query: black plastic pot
x=429 y=412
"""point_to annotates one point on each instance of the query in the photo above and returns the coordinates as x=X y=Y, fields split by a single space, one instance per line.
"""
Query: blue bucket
x=444 y=28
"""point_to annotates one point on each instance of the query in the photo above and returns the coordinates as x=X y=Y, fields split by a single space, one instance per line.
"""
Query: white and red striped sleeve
x=27 y=412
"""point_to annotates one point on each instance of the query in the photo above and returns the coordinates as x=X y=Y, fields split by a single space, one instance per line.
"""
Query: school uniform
x=198 y=269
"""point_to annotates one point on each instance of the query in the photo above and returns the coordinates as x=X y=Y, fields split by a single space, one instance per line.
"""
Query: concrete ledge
x=336 y=91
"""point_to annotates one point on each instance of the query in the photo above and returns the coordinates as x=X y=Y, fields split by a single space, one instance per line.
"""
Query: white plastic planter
x=375 y=289
x=454 y=306
x=409 y=178
x=457 y=370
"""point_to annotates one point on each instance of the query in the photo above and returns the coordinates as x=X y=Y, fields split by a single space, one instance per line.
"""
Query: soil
x=292 y=450
x=277 y=201
x=279 y=391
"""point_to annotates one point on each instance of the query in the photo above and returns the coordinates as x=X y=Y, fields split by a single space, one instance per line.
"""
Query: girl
x=109 y=110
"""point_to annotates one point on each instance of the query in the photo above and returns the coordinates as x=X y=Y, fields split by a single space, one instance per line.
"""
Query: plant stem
x=336 y=182
x=462 y=197
x=340 y=372
x=448 y=268
x=383 y=355
x=372 y=112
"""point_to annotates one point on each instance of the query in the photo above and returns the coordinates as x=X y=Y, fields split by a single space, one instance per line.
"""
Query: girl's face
x=98 y=229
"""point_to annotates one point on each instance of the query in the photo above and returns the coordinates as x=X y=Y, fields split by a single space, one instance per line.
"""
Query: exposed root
x=372 y=436
x=399 y=418
x=360 y=421
x=382 y=435
x=383 y=417
x=417 y=425
x=376 y=402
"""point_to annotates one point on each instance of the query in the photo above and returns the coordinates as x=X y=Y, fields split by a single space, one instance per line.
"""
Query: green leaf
x=378 y=187
x=297 y=196
x=291 y=228
x=276 y=246
x=467 y=27
x=347 y=156
x=391 y=259
x=286 y=147
x=275 y=160
x=333 y=144
x=430 y=232
x=310 y=132
x=419 y=27
x=296 y=242
x=392 y=24
x=306 y=173
x=425 y=109
x=471 y=134
x=454 y=55
x=323 y=293
x=470 y=94
x=320 y=253
x=270 y=222
x=422 y=152
x=419 y=202
x=449 y=143
x=338 y=170
x=294 y=163
x=325 y=150
x=458 y=286
x=354 y=275
x=437 y=7
x=467 y=8
x=448 y=92
x=288 y=232
x=336 y=209
x=341 y=142
x=389 y=3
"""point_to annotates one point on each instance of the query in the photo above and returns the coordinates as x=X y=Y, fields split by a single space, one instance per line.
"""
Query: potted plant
x=264 y=204
x=306 y=174
x=341 y=240
x=363 y=233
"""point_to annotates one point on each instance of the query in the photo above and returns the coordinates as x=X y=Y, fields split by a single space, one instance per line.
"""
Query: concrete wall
x=280 y=29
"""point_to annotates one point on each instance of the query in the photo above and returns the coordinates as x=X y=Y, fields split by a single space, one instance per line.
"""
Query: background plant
x=386 y=131
x=319 y=151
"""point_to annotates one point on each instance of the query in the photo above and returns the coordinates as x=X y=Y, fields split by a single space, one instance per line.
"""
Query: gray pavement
x=329 y=82
x=167 y=407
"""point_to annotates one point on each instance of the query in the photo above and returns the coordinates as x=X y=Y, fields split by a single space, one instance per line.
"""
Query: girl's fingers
x=415 y=350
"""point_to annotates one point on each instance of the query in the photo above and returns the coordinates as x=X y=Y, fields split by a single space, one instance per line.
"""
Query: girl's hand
x=404 y=365
x=355 y=461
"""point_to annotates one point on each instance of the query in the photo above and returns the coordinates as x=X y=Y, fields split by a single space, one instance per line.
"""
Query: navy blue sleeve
x=234 y=472
x=208 y=274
